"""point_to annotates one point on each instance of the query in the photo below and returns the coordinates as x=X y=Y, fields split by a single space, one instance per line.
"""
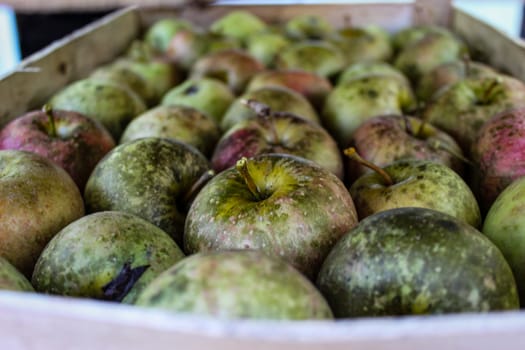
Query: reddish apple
x=69 y=139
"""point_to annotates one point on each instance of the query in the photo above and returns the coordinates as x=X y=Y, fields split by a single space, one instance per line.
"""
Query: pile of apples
x=274 y=171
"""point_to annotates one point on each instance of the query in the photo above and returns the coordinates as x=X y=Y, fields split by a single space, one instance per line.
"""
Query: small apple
x=463 y=108
x=277 y=132
x=413 y=183
x=283 y=205
x=110 y=256
x=266 y=46
x=415 y=261
x=312 y=86
x=367 y=44
x=184 y=124
x=12 y=279
x=150 y=177
x=71 y=140
x=352 y=103
x=498 y=155
x=278 y=98
x=234 y=67
x=114 y=105
x=209 y=96
x=236 y=284
x=37 y=199
x=160 y=33
x=360 y=70
x=239 y=25
x=411 y=35
x=385 y=139
x=504 y=225
x=308 y=27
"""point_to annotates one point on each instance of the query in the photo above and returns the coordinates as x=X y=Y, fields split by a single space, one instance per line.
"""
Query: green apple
x=12 y=279
x=411 y=35
x=505 y=226
x=149 y=177
x=209 y=96
x=279 y=99
x=184 y=124
x=111 y=104
x=362 y=70
x=37 y=199
x=307 y=26
x=236 y=284
x=161 y=32
x=283 y=205
x=353 y=102
x=110 y=256
x=368 y=44
x=238 y=24
x=415 y=183
x=415 y=261
x=266 y=46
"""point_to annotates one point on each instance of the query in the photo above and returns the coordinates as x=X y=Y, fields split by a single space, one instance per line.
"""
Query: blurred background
x=25 y=32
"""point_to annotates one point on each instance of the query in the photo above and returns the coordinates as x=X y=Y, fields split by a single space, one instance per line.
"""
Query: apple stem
x=197 y=186
x=265 y=112
x=438 y=145
x=408 y=125
x=48 y=110
x=242 y=168
x=421 y=128
x=466 y=62
x=352 y=153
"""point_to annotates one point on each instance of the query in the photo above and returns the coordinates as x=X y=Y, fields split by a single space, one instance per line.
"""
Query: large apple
x=414 y=261
x=109 y=255
x=236 y=284
x=69 y=139
x=37 y=199
x=150 y=177
x=385 y=139
x=283 y=205
x=498 y=155
x=463 y=108
x=274 y=132
x=415 y=183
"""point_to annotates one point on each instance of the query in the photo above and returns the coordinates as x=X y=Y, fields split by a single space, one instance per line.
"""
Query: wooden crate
x=33 y=321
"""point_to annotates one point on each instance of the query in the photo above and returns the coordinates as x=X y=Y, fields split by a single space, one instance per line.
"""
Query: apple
x=283 y=205
x=150 y=177
x=308 y=27
x=367 y=44
x=414 y=183
x=236 y=284
x=278 y=98
x=415 y=261
x=37 y=199
x=266 y=46
x=411 y=35
x=160 y=33
x=312 y=86
x=238 y=24
x=234 y=67
x=277 y=132
x=110 y=256
x=184 y=124
x=361 y=70
x=352 y=103
x=112 y=104
x=463 y=108
x=385 y=139
x=319 y=57
x=12 y=279
x=209 y=96
x=504 y=225
x=498 y=155
x=69 y=139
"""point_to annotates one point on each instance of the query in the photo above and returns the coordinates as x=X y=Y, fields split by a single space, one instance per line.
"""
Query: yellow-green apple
x=308 y=27
x=367 y=44
x=239 y=25
x=162 y=31
x=12 y=279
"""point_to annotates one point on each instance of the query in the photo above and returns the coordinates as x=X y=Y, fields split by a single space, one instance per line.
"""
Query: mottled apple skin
x=79 y=145
x=385 y=139
x=278 y=98
x=91 y=252
x=312 y=86
x=12 y=279
x=417 y=183
x=463 y=108
x=368 y=44
x=111 y=104
x=414 y=261
x=499 y=155
x=295 y=136
x=504 y=225
x=233 y=67
x=184 y=124
x=236 y=284
x=303 y=211
x=38 y=198
x=147 y=177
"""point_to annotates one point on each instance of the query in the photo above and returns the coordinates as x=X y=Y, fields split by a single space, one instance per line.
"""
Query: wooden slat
x=86 y=5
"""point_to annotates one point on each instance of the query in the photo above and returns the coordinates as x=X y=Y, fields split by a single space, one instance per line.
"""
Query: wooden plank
x=500 y=50
x=87 y=5
x=68 y=59
x=433 y=12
